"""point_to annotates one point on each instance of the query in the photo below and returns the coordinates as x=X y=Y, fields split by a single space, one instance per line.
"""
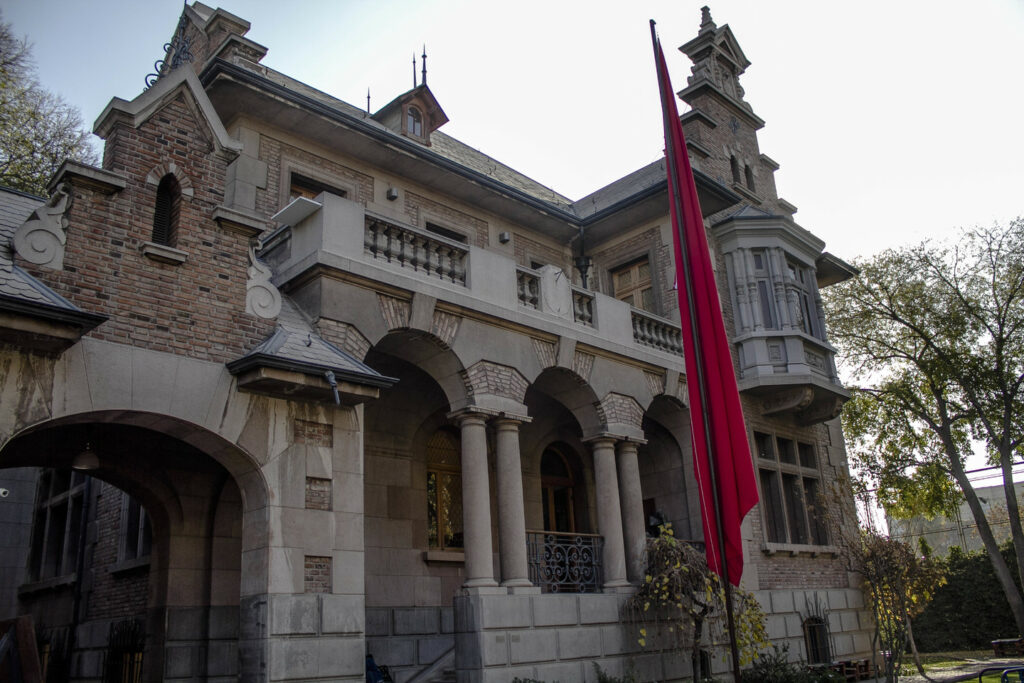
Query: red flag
x=721 y=452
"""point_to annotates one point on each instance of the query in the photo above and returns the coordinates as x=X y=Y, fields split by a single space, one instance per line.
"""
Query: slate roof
x=296 y=343
x=15 y=284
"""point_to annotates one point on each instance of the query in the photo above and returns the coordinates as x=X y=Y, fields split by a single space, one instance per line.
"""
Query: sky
x=893 y=122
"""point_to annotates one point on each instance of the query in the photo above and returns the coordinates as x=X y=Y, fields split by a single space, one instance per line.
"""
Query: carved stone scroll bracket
x=41 y=238
x=262 y=298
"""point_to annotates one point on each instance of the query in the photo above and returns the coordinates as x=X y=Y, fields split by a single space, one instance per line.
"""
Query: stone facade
x=379 y=455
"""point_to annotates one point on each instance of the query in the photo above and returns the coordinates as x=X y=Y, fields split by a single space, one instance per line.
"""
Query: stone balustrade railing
x=583 y=306
x=418 y=251
x=650 y=330
x=528 y=287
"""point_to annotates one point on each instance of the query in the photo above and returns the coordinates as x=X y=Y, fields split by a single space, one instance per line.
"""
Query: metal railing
x=418 y=251
x=651 y=330
x=565 y=562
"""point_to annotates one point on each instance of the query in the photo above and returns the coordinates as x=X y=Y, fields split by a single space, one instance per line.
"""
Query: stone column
x=476 y=501
x=609 y=514
x=631 y=499
x=511 y=512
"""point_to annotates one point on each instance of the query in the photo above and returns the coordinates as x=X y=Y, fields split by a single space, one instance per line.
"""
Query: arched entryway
x=96 y=572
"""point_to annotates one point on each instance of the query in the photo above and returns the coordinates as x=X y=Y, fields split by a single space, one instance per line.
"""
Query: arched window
x=816 y=640
x=414 y=122
x=444 y=490
x=557 y=483
x=734 y=164
x=750 y=178
x=168 y=206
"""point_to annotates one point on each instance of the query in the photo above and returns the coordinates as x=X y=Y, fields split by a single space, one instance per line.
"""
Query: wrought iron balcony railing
x=565 y=563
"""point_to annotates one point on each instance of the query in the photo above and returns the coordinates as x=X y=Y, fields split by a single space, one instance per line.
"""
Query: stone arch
x=191 y=483
x=158 y=172
x=574 y=393
x=666 y=464
x=431 y=355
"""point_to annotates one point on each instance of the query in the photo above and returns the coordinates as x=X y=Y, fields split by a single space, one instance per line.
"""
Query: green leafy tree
x=933 y=336
x=899 y=584
x=38 y=130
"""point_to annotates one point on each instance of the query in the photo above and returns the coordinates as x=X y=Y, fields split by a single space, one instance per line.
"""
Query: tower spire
x=706 y=22
x=414 y=70
x=424 y=79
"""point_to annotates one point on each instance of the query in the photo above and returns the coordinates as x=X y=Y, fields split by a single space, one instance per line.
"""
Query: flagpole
x=673 y=182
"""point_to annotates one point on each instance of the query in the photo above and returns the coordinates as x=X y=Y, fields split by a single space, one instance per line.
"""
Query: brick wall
x=281 y=157
x=647 y=243
x=196 y=308
x=121 y=594
x=420 y=210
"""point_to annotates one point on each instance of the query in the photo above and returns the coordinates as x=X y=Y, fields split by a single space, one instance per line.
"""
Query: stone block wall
x=848 y=617
x=409 y=639
x=552 y=637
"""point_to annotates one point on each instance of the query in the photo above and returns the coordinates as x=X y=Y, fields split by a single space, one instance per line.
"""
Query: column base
x=526 y=589
x=618 y=587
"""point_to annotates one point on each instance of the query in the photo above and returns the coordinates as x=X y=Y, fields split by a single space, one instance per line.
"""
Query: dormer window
x=414 y=122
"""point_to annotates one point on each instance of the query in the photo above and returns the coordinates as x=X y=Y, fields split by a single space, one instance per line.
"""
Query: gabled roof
x=433 y=114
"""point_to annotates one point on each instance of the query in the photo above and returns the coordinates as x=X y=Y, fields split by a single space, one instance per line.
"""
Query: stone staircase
x=441 y=671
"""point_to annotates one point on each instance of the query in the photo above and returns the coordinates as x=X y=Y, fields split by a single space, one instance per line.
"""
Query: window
x=57 y=527
x=136 y=536
x=803 y=279
x=167 y=210
x=632 y=283
x=557 y=492
x=790 y=491
x=304 y=186
x=765 y=291
x=445 y=232
x=444 y=491
x=414 y=122
x=734 y=165
x=816 y=641
x=750 y=177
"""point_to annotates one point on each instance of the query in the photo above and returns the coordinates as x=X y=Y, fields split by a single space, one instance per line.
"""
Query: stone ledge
x=163 y=253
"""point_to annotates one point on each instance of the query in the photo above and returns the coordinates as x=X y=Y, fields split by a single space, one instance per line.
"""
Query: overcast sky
x=892 y=121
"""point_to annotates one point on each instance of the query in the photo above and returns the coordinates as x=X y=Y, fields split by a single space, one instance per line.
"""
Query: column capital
x=487 y=415
x=613 y=438
x=468 y=415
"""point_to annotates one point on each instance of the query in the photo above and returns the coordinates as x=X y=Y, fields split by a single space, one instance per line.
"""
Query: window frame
x=638 y=286
x=137 y=550
x=454 y=473
x=70 y=494
x=788 y=518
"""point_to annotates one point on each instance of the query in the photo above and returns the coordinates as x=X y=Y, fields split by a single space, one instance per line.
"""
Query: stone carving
x=41 y=239
x=790 y=400
x=261 y=297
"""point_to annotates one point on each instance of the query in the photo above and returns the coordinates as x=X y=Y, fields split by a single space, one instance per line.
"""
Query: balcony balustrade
x=565 y=562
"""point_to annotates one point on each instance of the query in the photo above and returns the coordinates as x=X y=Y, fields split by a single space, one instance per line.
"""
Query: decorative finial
x=706 y=22
x=424 y=79
x=367 y=101
x=413 y=69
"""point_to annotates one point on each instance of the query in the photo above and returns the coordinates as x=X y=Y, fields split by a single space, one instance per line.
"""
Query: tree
x=933 y=336
x=38 y=130
x=680 y=595
x=899 y=584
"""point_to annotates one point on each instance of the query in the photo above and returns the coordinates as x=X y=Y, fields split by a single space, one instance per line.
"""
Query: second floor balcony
x=335 y=234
